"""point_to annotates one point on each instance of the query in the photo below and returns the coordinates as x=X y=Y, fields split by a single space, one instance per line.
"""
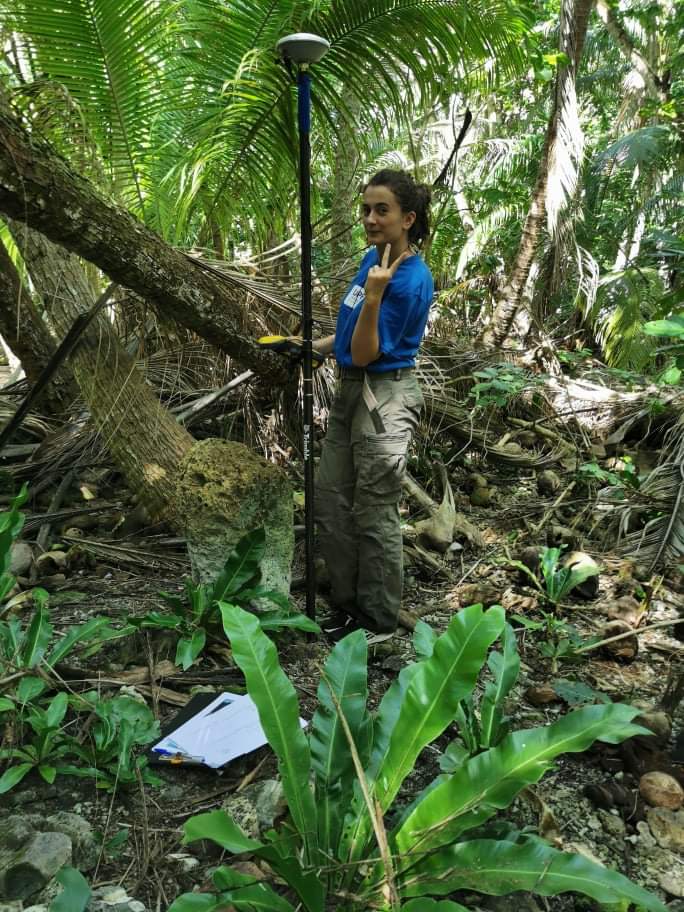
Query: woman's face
x=382 y=217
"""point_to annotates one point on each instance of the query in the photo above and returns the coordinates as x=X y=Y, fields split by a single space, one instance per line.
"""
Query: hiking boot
x=338 y=625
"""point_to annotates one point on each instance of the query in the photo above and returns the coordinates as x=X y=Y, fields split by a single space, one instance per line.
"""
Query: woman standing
x=376 y=407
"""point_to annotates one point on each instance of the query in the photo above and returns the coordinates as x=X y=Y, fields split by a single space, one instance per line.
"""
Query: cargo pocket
x=413 y=397
x=381 y=465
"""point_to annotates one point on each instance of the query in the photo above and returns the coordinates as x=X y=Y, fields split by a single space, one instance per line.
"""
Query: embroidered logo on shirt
x=356 y=294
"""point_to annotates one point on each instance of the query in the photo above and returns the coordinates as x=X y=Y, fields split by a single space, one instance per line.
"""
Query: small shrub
x=342 y=779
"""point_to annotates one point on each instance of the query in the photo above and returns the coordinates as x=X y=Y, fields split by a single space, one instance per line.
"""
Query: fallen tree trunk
x=213 y=492
x=39 y=188
x=27 y=334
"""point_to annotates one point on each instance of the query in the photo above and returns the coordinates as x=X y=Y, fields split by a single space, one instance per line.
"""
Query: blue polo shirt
x=402 y=319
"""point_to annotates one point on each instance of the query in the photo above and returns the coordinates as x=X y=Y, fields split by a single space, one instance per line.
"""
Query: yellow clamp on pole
x=292 y=348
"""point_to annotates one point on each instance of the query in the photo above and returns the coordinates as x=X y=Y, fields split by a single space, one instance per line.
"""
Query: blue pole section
x=304 y=111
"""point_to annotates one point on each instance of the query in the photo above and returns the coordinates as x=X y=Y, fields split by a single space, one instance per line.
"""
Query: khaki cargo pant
x=358 y=487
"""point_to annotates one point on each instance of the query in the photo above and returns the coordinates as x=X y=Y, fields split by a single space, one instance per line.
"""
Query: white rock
x=21 y=557
x=661 y=790
x=672 y=882
x=185 y=862
x=117 y=895
x=667 y=827
x=645 y=835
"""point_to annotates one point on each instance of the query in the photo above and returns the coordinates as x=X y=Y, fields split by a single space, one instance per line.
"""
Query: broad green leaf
x=242 y=565
x=271 y=595
x=221 y=829
x=13 y=776
x=189 y=648
x=6 y=705
x=7 y=582
x=358 y=827
x=47 y=772
x=276 y=620
x=76 y=893
x=454 y=756
x=175 y=601
x=435 y=690
x=39 y=632
x=258 y=897
x=505 y=668
x=11 y=639
x=198 y=902
x=432 y=905
x=575 y=577
x=490 y=780
x=29 y=688
x=276 y=702
x=243 y=893
x=548 y=563
x=345 y=673
x=157 y=619
x=672 y=327
x=576 y=693
x=93 y=629
x=671 y=376
x=424 y=638
x=57 y=709
x=498 y=868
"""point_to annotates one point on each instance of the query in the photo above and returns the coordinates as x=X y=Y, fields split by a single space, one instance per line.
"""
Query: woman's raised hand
x=379 y=276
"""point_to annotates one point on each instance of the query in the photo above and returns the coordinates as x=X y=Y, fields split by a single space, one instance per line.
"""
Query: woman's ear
x=408 y=218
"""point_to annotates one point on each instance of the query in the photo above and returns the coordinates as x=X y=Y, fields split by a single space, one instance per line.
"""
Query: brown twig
x=373 y=805
x=55 y=504
x=622 y=636
x=561 y=497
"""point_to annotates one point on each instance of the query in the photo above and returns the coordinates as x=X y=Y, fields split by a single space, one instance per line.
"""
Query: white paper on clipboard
x=226 y=728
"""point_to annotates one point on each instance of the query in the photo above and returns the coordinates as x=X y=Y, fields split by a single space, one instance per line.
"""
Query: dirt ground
x=151 y=863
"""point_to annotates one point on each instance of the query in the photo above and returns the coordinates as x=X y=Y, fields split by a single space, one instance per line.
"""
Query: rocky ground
x=621 y=806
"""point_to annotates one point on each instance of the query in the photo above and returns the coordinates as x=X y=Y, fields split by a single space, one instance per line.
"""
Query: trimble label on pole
x=307 y=432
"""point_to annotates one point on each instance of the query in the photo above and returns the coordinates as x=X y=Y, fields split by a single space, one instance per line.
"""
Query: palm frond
x=626 y=301
x=482 y=234
x=109 y=56
x=241 y=115
x=644 y=147
x=662 y=538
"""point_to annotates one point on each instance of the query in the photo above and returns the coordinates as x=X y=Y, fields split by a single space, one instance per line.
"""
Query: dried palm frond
x=662 y=538
x=32 y=423
x=567 y=145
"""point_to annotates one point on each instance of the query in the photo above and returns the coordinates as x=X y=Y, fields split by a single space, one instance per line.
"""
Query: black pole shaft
x=304 y=110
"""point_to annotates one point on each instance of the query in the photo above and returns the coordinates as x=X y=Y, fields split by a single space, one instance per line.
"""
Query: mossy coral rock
x=225 y=491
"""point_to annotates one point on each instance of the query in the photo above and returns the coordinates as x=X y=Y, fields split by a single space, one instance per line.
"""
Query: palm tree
x=558 y=168
x=192 y=113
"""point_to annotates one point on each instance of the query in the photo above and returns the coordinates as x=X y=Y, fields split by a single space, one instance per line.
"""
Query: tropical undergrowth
x=347 y=843
x=43 y=720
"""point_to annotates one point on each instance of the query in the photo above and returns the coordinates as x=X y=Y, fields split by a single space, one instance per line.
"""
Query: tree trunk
x=27 y=335
x=212 y=492
x=145 y=442
x=511 y=293
x=38 y=187
x=615 y=29
x=344 y=194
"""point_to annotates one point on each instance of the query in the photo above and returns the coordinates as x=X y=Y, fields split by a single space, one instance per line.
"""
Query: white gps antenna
x=303 y=48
